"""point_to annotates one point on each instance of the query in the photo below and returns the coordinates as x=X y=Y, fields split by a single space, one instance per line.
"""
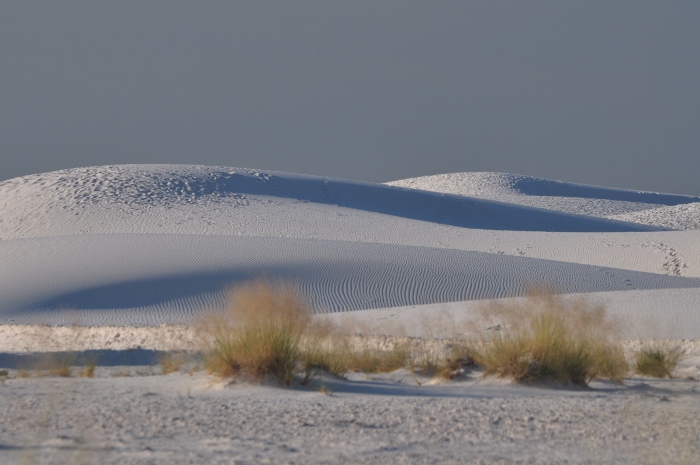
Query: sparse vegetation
x=325 y=390
x=267 y=331
x=90 y=363
x=549 y=338
x=57 y=365
x=170 y=362
x=338 y=352
x=657 y=360
x=444 y=366
x=260 y=334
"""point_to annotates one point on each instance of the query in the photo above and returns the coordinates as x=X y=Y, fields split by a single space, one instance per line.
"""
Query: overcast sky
x=601 y=93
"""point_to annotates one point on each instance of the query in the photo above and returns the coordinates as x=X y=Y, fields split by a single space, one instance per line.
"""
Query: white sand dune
x=153 y=279
x=603 y=202
x=684 y=216
x=641 y=314
x=154 y=244
x=216 y=200
x=487 y=184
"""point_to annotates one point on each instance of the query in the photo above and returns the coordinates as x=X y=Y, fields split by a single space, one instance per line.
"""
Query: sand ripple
x=156 y=279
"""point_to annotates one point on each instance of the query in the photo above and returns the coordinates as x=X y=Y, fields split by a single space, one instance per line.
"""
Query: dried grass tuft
x=260 y=333
x=545 y=336
x=657 y=360
x=90 y=363
x=171 y=362
x=56 y=364
x=267 y=331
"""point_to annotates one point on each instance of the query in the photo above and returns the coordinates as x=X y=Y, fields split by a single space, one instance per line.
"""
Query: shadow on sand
x=104 y=358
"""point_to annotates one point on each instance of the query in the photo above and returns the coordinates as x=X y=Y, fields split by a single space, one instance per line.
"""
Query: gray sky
x=601 y=92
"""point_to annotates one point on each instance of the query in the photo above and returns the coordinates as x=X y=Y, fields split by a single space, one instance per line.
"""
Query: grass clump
x=58 y=364
x=657 y=361
x=359 y=358
x=89 y=365
x=325 y=347
x=549 y=338
x=171 y=362
x=260 y=333
x=444 y=366
x=267 y=331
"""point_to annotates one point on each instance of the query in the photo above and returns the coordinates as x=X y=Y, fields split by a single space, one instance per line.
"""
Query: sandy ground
x=43 y=338
x=191 y=419
x=130 y=413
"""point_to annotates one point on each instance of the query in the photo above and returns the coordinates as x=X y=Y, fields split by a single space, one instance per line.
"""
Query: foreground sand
x=189 y=419
x=130 y=413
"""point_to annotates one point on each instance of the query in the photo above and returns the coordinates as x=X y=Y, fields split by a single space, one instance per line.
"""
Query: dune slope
x=153 y=244
x=603 y=202
x=154 y=279
x=189 y=199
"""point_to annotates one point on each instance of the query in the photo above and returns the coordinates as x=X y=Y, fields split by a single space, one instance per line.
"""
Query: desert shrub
x=55 y=364
x=89 y=365
x=170 y=362
x=458 y=358
x=339 y=352
x=267 y=331
x=334 y=350
x=62 y=366
x=658 y=361
x=548 y=337
x=260 y=333
x=341 y=359
x=370 y=360
x=323 y=348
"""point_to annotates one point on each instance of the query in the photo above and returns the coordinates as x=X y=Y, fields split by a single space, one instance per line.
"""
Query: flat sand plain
x=133 y=415
x=130 y=412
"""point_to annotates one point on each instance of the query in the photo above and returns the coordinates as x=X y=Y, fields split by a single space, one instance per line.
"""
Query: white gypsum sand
x=121 y=261
x=188 y=418
x=148 y=245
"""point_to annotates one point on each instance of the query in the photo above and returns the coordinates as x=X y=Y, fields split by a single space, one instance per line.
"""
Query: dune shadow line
x=103 y=357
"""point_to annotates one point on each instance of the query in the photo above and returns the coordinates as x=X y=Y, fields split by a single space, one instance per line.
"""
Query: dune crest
x=566 y=197
x=184 y=199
